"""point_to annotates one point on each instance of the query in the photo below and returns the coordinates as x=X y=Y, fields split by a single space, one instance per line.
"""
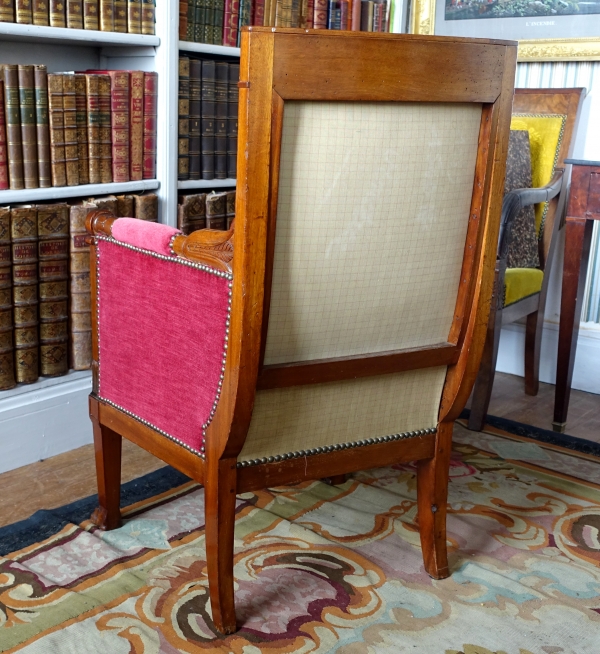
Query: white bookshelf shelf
x=191 y=184
x=206 y=48
x=44 y=383
x=62 y=192
x=66 y=36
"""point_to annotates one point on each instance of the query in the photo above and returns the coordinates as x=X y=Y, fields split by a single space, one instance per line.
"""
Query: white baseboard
x=44 y=419
x=586 y=375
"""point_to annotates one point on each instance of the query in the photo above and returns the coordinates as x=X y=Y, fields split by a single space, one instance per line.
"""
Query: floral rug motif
x=320 y=568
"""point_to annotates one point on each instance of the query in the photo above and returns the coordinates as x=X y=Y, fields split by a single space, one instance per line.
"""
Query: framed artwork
x=547 y=30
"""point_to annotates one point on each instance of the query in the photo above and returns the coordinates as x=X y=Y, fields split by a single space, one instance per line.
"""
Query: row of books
x=66 y=129
x=208 y=118
x=205 y=211
x=133 y=16
x=45 y=312
x=220 y=21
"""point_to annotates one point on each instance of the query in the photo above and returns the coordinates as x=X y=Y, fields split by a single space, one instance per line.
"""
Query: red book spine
x=310 y=15
x=150 y=106
x=231 y=22
x=355 y=24
x=320 y=15
x=136 y=118
x=258 y=13
x=3 y=146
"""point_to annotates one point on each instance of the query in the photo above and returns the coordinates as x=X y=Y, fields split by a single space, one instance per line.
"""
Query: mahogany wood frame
x=278 y=65
x=531 y=101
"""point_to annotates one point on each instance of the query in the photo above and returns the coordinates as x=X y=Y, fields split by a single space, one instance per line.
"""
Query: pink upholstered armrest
x=142 y=234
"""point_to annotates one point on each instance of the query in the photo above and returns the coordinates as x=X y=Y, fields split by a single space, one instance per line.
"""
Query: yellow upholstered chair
x=550 y=117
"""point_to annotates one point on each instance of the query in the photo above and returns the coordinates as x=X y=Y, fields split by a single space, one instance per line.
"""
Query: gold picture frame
x=423 y=18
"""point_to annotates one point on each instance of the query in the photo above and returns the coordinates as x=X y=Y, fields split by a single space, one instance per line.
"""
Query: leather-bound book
x=230 y=208
x=107 y=15
x=232 y=120
x=58 y=13
x=53 y=232
x=42 y=126
x=91 y=15
x=183 y=19
x=195 y=118
x=104 y=101
x=120 y=15
x=28 y=126
x=190 y=24
x=216 y=210
x=41 y=12
x=258 y=13
x=218 y=21
x=94 y=134
x=230 y=22
x=183 y=131
x=7 y=374
x=82 y=129
x=221 y=88
x=136 y=124
x=134 y=16
x=80 y=323
x=24 y=13
x=310 y=14
x=57 y=129
x=70 y=121
x=125 y=206
x=13 y=126
x=267 y=15
x=75 y=14
x=106 y=203
x=146 y=207
x=245 y=17
x=208 y=119
x=3 y=144
x=333 y=19
x=202 y=13
x=150 y=101
x=7 y=11
x=191 y=212
x=148 y=16
x=23 y=228
x=320 y=14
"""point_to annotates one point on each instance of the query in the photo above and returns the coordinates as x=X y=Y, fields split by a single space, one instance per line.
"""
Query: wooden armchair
x=550 y=116
x=342 y=327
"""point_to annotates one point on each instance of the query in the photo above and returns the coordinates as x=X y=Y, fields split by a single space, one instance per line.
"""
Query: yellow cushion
x=520 y=283
x=545 y=138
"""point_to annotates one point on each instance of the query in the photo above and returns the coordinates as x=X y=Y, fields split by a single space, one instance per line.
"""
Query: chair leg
x=533 y=343
x=432 y=497
x=221 y=478
x=336 y=480
x=107 y=445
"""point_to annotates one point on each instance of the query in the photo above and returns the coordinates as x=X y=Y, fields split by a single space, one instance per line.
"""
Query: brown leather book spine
x=146 y=207
x=42 y=126
x=91 y=19
x=125 y=206
x=195 y=130
x=53 y=249
x=106 y=203
x=58 y=14
x=82 y=136
x=7 y=367
x=150 y=108
x=13 y=126
x=94 y=131
x=120 y=102
x=230 y=208
x=134 y=16
x=80 y=348
x=3 y=144
x=191 y=212
x=107 y=15
x=28 y=126
x=7 y=11
x=148 y=16
x=208 y=119
x=41 y=12
x=24 y=237
x=57 y=129
x=183 y=135
x=24 y=13
x=216 y=210
x=120 y=15
x=106 y=167
x=70 y=119
x=183 y=19
x=232 y=119
x=75 y=14
x=136 y=123
x=221 y=88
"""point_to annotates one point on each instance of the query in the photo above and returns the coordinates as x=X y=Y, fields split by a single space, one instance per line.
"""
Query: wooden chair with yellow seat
x=550 y=116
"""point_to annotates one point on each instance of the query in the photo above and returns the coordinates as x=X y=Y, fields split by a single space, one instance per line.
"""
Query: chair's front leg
x=432 y=497
x=220 y=489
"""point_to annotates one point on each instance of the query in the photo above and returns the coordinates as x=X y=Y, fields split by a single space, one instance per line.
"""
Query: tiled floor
x=71 y=476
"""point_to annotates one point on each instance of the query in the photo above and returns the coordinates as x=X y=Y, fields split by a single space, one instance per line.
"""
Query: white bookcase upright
x=51 y=416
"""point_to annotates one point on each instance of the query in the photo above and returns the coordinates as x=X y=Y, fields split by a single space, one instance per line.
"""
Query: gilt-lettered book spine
x=320 y=14
x=23 y=227
x=230 y=208
x=13 y=126
x=120 y=15
x=24 y=13
x=136 y=121
x=7 y=11
x=202 y=14
x=195 y=118
x=125 y=206
x=183 y=133
x=150 y=108
x=58 y=13
x=7 y=364
x=208 y=119
x=146 y=207
x=134 y=16
x=75 y=14
x=106 y=167
x=3 y=143
x=28 y=126
x=53 y=233
x=70 y=121
x=119 y=113
x=230 y=22
x=183 y=19
x=80 y=342
x=191 y=20
x=218 y=21
x=82 y=136
x=221 y=87
x=245 y=17
x=91 y=15
x=94 y=132
x=216 y=210
x=232 y=119
x=258 y=13
x=148 y=16
x=42 y=125
x=41 y=12
x=191 y=212
x=57 y=129
x=107 y=15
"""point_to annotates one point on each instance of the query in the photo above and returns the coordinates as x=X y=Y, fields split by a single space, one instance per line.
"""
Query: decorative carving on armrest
x=208 y=246
x=99 y=222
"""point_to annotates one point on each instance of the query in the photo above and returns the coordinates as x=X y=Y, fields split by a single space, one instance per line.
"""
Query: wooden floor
x=71 y=476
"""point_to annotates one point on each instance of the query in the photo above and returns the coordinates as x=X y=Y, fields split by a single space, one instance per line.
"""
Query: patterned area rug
x=334 y=569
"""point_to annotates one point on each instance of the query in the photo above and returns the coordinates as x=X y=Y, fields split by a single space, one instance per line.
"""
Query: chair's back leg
x=432 y=496
x=220 y=489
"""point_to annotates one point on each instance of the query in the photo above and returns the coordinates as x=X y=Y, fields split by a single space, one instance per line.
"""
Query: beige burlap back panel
x=372 y=215
x=303 y=417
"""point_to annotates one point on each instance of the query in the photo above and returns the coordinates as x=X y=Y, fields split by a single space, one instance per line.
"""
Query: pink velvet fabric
x=161 y=336
x=142 y=234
